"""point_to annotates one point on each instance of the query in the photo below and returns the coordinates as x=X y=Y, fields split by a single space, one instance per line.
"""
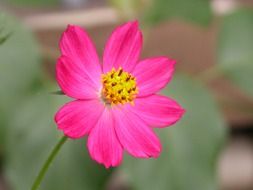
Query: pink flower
x=117 y=103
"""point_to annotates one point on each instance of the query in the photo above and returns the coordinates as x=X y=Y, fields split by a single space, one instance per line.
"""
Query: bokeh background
x=211 y=148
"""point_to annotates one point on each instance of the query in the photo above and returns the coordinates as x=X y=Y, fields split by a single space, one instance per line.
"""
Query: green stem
x=46 y=165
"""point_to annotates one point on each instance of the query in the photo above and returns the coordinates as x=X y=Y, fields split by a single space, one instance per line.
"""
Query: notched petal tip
x=183 y=111
x=135 y=23
x=111 y=165
x=131 y=24
x=69 y=26
x=156 y=153
x=171 y=62
x=180 y=113
x=107 y=163
x=72 y=27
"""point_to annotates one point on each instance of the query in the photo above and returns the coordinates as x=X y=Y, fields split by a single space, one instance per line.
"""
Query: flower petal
x=153 y=74
x=103 y=143
x=73 y=80
x=157 y=110
x=123 y=48
x=77 y=118
x=134 y=135
x=77 y=45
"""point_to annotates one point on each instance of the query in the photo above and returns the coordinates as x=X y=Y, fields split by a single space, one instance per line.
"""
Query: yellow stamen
x=119 y=87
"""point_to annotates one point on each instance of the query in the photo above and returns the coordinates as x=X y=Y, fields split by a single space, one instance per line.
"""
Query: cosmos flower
x=117 y=102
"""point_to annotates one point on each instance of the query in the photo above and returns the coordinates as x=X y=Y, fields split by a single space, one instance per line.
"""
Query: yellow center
x=119 y=87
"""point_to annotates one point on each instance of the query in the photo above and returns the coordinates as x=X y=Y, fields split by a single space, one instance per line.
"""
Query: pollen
x=119 y=87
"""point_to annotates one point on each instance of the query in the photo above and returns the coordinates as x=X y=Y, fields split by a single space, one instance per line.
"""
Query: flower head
x=117 y=102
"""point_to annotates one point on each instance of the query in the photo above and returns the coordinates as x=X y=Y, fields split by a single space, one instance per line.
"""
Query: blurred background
x=211 y=148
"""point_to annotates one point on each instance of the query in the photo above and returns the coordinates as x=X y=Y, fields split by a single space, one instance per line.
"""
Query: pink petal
x=157 y=110
x=103 y=143
x=153 y=74
x=77 y=118
x=123 y=48
x=134 y=135
x=77 y=45
x=73 y=81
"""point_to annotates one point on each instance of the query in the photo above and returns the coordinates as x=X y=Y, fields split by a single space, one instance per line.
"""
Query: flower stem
x=46 y=165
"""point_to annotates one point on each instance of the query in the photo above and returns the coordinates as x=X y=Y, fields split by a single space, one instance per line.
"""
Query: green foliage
x=155 y=11
x=19 y=68
x=235 y=48
x=130 y=9
x=4 y=35
x=19 y=65
x=190 y=149
x=197 y=11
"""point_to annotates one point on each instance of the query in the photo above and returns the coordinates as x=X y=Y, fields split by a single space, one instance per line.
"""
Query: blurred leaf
x=198 y=11
x=4 y=37
x=130 y=9
x=235 y=50
x=19 y=68
x=190 y=149
x=32 y=136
